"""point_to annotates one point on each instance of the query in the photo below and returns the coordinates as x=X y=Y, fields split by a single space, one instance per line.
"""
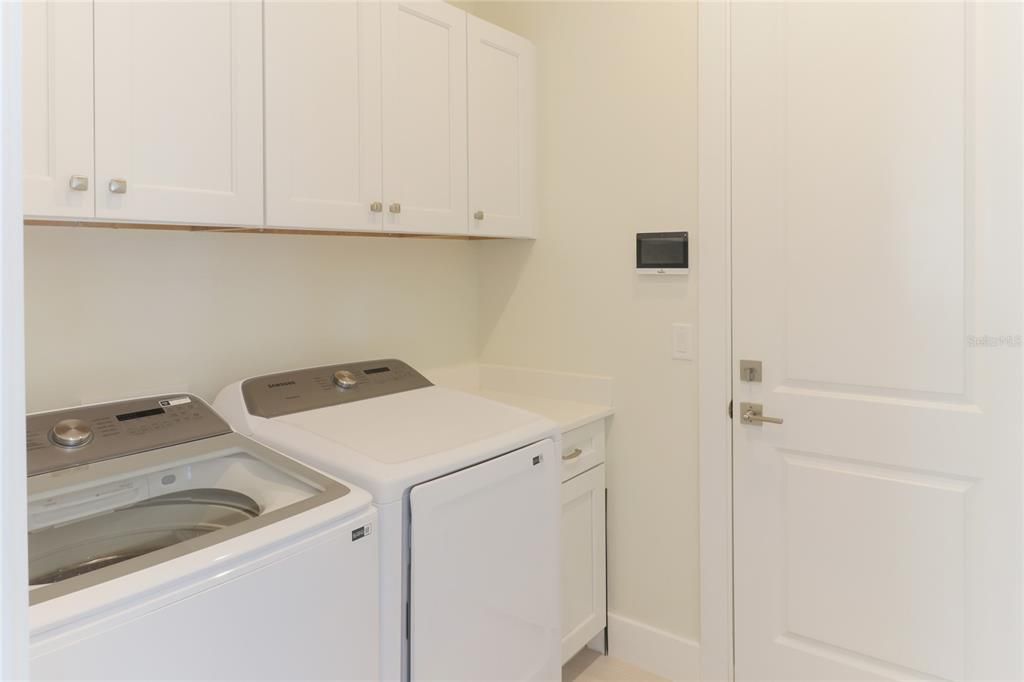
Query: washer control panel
x=275 y=395
x=93 y=433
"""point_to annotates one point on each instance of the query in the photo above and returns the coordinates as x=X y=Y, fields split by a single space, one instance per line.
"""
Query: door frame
x=714 y=242
x=13 y=552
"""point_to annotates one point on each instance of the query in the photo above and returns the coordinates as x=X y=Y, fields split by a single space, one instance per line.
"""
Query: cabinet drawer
x=582 y=449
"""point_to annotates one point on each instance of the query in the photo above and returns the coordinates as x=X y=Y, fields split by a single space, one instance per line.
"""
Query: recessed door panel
x=501 y=130
x=424 y=57
x=323 y=99
x=179 y=111
x=57 y=121
x=584 y=612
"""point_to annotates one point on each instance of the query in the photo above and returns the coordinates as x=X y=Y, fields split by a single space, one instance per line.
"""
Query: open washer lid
x=124 y=486
x=379 y=424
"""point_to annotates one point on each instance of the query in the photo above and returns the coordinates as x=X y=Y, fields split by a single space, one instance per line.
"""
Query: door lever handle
x=753 y=413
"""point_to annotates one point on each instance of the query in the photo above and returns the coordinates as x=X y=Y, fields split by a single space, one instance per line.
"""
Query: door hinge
x=730 y=409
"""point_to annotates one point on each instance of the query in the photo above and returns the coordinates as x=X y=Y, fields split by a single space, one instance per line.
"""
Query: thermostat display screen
x=662 y=250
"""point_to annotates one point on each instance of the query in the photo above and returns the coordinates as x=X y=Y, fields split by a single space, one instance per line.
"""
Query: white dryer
x=164 y=546
x=468 y=495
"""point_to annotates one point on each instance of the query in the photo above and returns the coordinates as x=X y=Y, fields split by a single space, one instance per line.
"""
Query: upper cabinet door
x=57 y=113
x=179 y=111
x=323 y=103
x=501 y=132
x=424 y=52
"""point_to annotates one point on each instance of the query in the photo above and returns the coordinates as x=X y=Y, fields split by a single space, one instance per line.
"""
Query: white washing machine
x=468 y=495
x=164 y=546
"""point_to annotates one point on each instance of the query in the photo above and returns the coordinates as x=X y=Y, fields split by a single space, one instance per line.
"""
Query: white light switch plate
x=682 y=341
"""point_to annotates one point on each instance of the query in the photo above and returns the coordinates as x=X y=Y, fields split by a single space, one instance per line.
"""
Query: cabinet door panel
x=424 y=56
x=323 y=102
x=501 y=131
x=57 y=108
x=584 y=612
x=179 y=111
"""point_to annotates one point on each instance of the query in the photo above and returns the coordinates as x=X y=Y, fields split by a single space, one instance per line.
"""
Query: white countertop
x=568 y=414
x=569 y=400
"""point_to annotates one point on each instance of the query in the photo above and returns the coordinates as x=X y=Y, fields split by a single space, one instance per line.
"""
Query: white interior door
x=876 y=218
x=424 y=57
x=57 y=122
x=323 y=103
x=179 y=111
x=501 y=131
x=484 y=571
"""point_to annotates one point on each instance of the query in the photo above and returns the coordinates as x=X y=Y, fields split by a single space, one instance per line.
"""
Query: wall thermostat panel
x=663 y=253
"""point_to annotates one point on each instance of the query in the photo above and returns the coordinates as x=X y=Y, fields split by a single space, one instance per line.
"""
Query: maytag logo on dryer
x=279 y=384
x=171 y=402
x=360 y=533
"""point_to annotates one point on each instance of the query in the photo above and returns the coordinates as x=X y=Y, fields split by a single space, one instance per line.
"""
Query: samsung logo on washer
x=279 y=384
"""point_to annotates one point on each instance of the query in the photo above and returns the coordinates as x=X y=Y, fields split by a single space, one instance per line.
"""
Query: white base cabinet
x=584 y=607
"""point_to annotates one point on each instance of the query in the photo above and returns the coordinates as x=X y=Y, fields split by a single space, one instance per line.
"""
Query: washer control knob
x=345 y=379
x=71 y=433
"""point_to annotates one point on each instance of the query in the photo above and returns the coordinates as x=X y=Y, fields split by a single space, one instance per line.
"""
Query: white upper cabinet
x=57 y=113
x=424 y=59
x=323 y=107
x=401 y=116
x=501 y=132
x=179 y=111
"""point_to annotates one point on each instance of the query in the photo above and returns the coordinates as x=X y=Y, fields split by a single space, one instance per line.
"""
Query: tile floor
x=590 y=666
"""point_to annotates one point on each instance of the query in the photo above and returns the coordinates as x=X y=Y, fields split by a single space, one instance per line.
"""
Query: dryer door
x=484 y=574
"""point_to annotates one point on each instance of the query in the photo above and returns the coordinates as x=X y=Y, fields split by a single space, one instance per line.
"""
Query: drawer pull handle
x=572 y=454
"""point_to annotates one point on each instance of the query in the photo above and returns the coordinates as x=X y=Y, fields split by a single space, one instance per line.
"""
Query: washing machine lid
x=386 y=431
x=112 y=510
x=401 y=428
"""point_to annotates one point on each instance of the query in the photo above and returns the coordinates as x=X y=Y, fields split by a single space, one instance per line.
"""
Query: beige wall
x=193 y=311
x=617 y=155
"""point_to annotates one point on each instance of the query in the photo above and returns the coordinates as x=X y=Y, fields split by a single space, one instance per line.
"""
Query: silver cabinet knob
x=71 y=433
x=345 y=379
x=118 y=186
x=376 y=207
x=79 y=183
x=395 y=208
x=479 y=215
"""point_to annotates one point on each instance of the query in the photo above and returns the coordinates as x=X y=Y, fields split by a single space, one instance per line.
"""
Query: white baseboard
x=656 y=651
